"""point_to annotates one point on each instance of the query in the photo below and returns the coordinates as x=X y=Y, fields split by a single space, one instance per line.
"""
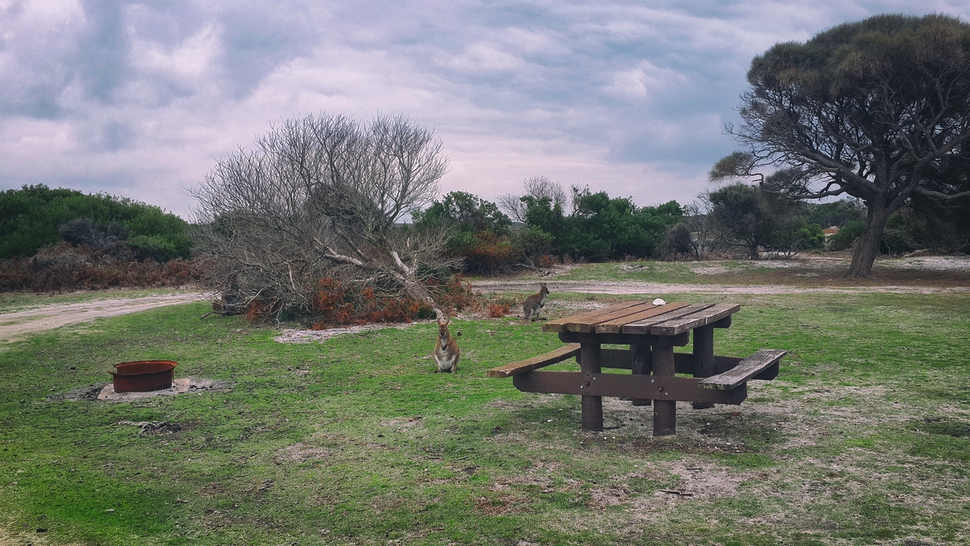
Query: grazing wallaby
x=535 y=302
x=446 y=351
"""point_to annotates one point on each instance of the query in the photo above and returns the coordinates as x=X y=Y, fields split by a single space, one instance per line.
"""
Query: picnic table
x=651 y=330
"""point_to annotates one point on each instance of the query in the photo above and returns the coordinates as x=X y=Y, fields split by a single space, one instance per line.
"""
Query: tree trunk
x=866 y=249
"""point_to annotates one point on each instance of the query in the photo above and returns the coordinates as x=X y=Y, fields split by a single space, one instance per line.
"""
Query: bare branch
x=320 y=197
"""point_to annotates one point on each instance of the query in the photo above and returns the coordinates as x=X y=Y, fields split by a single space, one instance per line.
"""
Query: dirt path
x=17 y=325
x=918 y=271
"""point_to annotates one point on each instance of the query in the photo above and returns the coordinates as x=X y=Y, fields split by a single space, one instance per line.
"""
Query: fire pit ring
x=144 y=375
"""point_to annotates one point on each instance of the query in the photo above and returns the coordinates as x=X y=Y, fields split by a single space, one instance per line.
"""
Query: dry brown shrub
x=63 y=267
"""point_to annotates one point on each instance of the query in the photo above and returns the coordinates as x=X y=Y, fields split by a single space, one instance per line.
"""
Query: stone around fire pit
x=181 y=385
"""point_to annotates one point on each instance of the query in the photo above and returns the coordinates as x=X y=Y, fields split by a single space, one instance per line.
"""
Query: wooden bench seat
x=745 y=370
x=546 y=359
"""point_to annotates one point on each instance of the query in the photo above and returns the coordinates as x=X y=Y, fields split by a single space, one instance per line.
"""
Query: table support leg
x=641 y=366
x=703 y=357
x=664 y=411
x=592 y=406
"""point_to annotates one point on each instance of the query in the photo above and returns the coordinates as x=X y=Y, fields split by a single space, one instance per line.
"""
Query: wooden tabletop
x=643 y=317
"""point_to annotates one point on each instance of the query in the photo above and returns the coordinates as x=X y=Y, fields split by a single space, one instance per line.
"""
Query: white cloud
x=486 y=57
x=189 y=64
x=646 y=81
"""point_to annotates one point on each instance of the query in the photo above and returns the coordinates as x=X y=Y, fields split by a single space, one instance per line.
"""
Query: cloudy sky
x=140 y=99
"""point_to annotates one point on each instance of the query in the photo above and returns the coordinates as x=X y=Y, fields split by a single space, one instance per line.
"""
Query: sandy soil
x=16 y=325
x=913 y=275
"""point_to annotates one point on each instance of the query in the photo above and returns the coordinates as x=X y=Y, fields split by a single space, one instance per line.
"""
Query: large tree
x=320 y=198
x=878 y=109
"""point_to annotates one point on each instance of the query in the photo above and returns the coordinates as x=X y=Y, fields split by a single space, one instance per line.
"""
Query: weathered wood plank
x=669 y=389
x=689 y=322
x=745 y=370
x=644 y=326
x=546 y=359
x=588 y=324
x=559 y=325
x=615 y=326
x=621 y=359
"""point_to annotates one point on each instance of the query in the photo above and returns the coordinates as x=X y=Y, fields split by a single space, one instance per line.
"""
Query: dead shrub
x=63 y=267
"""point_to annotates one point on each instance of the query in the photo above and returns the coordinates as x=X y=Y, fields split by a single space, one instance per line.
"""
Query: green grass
x=725 y=271
x=862 y=439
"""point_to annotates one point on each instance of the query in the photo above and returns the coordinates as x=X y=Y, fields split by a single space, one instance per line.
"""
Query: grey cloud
x=149 y=92
x=31 y=69
x=101 y=56
x=261 y=38
x=90 y=57
x=113 y=136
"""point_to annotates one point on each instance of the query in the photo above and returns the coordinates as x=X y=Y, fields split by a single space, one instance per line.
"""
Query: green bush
x=155 y=247
x=479 y=233
x=602 y=228
x=847 y=235
x=533 y=244
x=34 y=217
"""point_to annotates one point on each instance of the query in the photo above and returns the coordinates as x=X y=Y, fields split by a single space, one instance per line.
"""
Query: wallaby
x=535 y=302
x=231 y=303
x=446 y=351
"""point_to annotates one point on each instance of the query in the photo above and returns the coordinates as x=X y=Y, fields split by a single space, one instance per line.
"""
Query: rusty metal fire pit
x=144 y=375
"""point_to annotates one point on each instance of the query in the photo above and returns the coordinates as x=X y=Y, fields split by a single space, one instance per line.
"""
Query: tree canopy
x=877 y=109
x=600 y=227
x=740 y=215
x=478 y=232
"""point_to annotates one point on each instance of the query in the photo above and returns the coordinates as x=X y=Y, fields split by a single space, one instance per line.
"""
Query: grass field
x=864 y=438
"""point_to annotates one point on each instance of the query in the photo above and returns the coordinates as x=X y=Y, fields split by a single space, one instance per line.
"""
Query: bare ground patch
x=301 y=452
x=919 y=274
x=106 y=392
x=298 y=335
x=18 y=324
x=774 y=429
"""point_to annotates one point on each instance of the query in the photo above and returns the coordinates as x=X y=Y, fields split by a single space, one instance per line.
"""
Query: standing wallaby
x=446 y=351
x=535 y=302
